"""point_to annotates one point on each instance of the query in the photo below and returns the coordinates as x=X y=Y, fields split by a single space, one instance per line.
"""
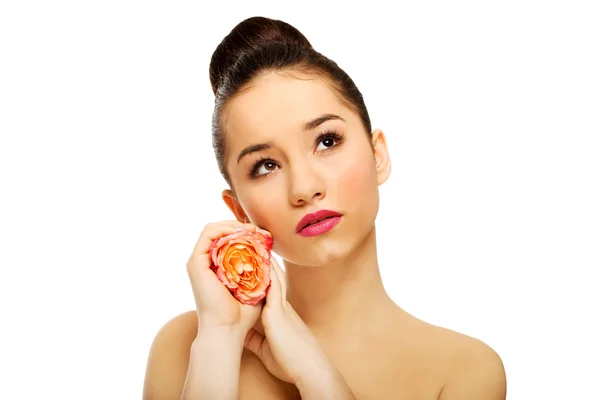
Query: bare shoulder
x=169 y=358
x=472 y=369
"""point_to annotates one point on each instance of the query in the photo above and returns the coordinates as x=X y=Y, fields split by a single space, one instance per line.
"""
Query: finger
x=281 y=277
x=254 y=341
x=274 y=294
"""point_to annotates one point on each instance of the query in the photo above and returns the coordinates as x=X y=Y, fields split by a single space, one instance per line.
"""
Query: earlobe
x=234 y=205
x=383 y=163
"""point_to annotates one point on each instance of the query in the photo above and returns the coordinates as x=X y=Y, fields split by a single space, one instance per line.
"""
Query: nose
x=306 y=185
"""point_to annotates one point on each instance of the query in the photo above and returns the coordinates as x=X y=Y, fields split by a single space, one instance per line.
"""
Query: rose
x=241 y=261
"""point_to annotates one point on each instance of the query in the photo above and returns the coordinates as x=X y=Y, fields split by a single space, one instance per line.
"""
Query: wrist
x=225 y=343
x=312 y=365
x=221 y=332
x=324 y=381
x=218 y=346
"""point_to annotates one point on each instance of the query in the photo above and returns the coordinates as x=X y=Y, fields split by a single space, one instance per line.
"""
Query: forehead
x=276 y=103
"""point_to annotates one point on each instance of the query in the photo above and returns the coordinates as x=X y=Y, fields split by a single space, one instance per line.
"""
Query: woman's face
x=299 y=171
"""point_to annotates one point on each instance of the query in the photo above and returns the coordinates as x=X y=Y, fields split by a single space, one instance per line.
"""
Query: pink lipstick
x=313 y=224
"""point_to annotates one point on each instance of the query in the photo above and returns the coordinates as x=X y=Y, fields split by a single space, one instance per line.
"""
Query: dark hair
x=258 y=45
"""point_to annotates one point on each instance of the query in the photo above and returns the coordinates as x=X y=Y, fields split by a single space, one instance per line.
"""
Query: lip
x=320 y=227
x=312 y=217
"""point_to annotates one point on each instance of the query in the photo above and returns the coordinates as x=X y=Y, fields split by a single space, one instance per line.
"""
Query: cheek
x=358 y=178
x=357 y=188
x=266 y=209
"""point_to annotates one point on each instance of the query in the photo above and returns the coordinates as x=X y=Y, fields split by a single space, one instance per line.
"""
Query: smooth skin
x=329 y=330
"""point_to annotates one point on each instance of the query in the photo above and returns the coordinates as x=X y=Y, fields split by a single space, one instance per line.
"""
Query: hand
x=216 y=307
x=288 y=349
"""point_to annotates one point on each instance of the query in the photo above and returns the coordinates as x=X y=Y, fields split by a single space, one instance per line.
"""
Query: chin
x=321 y=252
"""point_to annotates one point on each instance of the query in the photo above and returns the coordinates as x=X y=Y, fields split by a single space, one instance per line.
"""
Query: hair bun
x=246 y=36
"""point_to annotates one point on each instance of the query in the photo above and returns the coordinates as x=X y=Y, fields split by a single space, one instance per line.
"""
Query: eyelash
x=338 y=138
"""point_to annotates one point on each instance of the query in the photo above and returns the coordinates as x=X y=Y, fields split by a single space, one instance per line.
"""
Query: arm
x=289 y=350
x=325 y=382
x=214 y=367
x=179 y=349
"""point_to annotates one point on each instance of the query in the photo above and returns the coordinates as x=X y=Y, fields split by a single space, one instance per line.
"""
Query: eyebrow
x=307 y=127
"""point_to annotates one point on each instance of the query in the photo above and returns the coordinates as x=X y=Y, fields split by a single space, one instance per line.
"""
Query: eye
x=263 y=168
x=327 y=141
x=330 y=139
x=263 y=162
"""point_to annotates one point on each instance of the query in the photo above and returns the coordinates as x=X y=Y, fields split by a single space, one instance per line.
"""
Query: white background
x=489 y=224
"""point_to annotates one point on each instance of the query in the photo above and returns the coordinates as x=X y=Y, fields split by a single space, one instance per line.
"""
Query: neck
x=341 y=297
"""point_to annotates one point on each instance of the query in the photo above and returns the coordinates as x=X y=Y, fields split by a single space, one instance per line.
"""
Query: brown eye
x=328 y=140
x=262 y=167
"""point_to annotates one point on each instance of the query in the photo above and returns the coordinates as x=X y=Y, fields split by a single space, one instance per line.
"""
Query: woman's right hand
x=216 y=307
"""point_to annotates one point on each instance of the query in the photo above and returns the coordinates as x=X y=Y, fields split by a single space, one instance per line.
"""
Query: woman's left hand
x=288 y=349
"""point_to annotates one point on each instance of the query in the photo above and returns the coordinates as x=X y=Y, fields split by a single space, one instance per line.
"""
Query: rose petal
x=241 y=261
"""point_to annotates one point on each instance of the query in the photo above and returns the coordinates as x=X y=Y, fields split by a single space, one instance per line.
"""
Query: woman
x=293 y=138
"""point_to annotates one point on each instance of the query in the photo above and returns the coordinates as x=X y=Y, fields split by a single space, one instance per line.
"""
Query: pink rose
x=242 y=262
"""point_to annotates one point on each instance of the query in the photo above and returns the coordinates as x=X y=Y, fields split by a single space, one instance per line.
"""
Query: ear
x=383 y=163
x=234 y=205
